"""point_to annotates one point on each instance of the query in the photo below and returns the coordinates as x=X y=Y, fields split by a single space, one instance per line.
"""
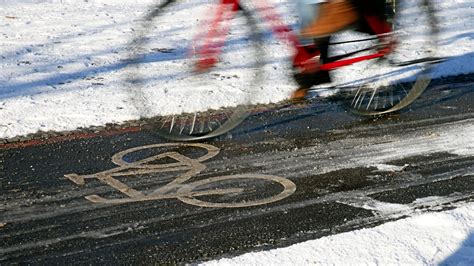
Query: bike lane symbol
x=189 y=193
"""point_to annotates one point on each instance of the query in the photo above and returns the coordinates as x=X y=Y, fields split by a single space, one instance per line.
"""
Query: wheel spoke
x=193 y=124
x=172 y=123
x=371 y=98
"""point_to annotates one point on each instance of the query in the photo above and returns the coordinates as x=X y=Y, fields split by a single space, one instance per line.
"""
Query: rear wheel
x=183 y=95
x=389 y=84
x=236 y=191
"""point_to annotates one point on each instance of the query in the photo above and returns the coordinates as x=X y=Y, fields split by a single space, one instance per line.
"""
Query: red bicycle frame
x=215 y=37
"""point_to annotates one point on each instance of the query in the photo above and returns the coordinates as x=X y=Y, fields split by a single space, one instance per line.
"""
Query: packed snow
x=445 y=238
x=63 y=63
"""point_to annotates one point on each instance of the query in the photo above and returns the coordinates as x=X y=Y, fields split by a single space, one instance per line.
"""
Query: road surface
x=284 y=176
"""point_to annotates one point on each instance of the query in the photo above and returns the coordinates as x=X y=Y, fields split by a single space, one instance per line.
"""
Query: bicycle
x=213 y=192
x=195 y=72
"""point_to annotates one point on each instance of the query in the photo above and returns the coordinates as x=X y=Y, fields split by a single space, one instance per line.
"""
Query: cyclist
x=319 y=19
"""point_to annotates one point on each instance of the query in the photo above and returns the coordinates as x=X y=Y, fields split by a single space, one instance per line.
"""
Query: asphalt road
x=284 y=176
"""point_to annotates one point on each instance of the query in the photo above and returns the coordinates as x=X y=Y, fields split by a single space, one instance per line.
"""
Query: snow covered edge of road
x=445 y=238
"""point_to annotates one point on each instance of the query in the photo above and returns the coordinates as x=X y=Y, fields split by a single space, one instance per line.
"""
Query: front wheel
x=389 y=84
x=194 y=68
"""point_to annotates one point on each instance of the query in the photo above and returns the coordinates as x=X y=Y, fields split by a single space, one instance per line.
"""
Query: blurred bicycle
x=204 y=71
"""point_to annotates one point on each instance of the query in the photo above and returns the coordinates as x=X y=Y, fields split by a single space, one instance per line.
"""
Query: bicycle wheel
x=389 y=84
x=232 y=192
x=184 y=95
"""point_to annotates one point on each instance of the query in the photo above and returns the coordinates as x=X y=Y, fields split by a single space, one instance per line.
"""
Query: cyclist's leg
x=306 y=62
x=314 y=15
x=334 y=15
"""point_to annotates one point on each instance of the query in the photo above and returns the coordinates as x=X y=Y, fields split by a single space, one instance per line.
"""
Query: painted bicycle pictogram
x=195 y=193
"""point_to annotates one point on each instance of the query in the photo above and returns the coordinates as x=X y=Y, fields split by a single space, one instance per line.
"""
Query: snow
x=445 y=238
x=62 y=68
x=387 y=167
x=63 y=64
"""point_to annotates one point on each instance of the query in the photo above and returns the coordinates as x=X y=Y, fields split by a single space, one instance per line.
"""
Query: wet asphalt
x=301 y=172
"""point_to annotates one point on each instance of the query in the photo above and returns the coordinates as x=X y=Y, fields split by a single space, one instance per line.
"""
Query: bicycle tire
x=394 y=90
x=190 y=189
x=178 y=118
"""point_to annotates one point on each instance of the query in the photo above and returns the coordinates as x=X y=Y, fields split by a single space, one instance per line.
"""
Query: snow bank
x=427 y=239
x=62 y=62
